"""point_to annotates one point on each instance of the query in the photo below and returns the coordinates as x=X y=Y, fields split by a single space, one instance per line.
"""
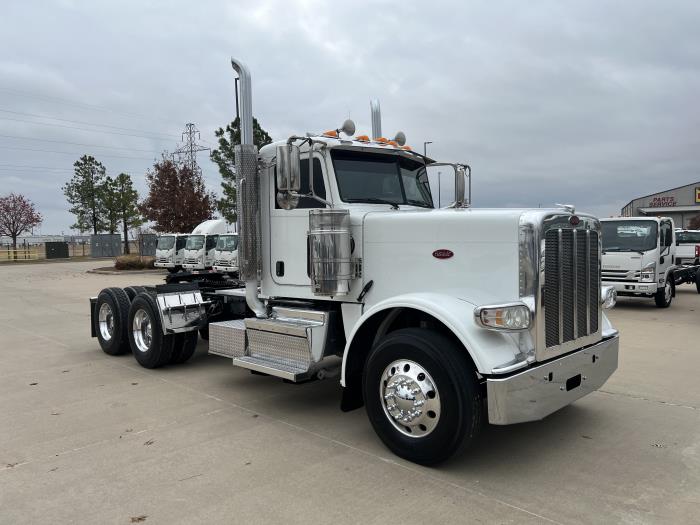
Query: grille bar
x=572 y=282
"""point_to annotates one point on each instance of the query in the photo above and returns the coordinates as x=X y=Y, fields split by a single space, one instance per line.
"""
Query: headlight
x=506 y=317
x=649 y=273
x=608 y=296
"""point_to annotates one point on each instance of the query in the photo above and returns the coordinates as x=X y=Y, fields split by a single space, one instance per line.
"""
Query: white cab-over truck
x=639 y=258
x=433 y=319
x=170 y=251
x=201 y=244
x=226 y=254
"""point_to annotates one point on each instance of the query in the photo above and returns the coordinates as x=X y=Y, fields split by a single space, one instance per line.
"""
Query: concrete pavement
x=89 y=438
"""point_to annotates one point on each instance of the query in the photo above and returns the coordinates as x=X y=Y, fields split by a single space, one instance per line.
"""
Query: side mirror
x=288 y=168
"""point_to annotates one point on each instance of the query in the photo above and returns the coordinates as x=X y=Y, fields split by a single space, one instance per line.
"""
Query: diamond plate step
x=276 y=369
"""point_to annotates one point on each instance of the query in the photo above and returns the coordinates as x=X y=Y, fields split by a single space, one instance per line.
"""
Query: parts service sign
x=663 y=202
x=697 y=195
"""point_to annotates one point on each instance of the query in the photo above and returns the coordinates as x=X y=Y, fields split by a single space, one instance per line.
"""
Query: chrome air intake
x=330 y=248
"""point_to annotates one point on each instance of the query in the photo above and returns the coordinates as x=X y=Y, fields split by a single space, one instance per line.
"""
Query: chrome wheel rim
x=105 y=319
x=667 y=292
x=410 y=398
x=141 y=328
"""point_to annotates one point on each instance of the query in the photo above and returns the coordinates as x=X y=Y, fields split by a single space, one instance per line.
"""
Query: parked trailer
x=347 y=269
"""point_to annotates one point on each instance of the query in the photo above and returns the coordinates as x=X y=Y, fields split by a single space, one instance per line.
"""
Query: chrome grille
x=621 y=275
x=572 y=284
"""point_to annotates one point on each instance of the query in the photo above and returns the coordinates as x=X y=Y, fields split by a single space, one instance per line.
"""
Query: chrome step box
x=293 y=344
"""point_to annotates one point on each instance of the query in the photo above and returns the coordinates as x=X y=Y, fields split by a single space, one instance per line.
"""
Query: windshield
x=629 y=236
x=166 y=242
x=688 y=237
x=377 y=178
x=227 y=243
x=195 y=242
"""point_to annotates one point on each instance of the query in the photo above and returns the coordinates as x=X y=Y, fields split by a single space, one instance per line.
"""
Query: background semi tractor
x=639 y=258
x=436 y=320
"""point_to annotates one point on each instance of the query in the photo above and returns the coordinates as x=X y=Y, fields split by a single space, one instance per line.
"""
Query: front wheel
x=421 y=395
x=697 y=280
x=664 y=296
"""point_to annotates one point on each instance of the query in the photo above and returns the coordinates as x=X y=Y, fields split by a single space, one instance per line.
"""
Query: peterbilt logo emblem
x=443 y=254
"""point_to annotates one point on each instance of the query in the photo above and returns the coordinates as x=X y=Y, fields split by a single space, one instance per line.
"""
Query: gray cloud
x=586 y=102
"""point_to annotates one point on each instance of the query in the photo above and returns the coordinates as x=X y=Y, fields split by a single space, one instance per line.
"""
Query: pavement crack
x=642 y=398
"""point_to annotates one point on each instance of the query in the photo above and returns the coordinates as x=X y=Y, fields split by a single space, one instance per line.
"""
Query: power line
x=48 y=117
x=82 y=129
x=84 y=105
x=74 y=143
x=73 y=153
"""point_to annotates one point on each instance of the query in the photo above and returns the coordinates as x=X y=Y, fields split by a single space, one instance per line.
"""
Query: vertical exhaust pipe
x=376 y=118
x=248 y=180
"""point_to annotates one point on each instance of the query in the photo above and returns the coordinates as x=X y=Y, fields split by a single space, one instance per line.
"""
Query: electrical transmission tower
x=186 y=153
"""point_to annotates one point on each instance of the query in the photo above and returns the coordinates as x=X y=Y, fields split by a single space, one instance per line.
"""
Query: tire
x=697 y=279
x=447 y=385
x=112 y=321
x=174 y=269
x=133 y=291
x=150 y=346
x=204 y=333
x=184 y=346
x=664 y=297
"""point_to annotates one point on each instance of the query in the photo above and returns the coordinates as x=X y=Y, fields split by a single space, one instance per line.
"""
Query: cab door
x=666 y=251
x=209 y=249
x=288 y=228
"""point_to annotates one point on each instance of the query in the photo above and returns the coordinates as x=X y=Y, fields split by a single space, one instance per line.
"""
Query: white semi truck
x=170 y=251
x=201 y=244
x=226 y=254
x=436 y=320
x=639 y=258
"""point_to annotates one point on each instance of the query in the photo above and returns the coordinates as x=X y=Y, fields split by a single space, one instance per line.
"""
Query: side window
x=669 y=234
x=211 y=241
x=319 y=186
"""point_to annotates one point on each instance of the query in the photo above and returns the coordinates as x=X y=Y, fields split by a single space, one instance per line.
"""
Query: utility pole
x=186 y=153
x=425 y=147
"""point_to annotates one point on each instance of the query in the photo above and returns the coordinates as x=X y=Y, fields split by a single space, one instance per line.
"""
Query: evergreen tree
x=225 y=159
x=84 y=193
x=121 y=206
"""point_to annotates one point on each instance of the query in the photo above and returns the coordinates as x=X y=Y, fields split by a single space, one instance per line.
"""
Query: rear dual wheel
x=111 y=321
x=150 y=346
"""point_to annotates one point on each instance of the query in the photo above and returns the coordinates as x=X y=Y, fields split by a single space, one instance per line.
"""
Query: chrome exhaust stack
x=376 y=118
x=248 y=179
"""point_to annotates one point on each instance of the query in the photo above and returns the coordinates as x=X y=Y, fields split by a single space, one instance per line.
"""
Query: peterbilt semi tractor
x=170 y=251
x=437 y=320
x=639 y=259
x=201 y=244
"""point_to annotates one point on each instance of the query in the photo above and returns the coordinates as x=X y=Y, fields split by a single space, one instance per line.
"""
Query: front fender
x=488 y=349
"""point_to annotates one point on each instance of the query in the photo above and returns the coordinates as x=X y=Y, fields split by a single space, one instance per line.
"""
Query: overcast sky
x=589 y=102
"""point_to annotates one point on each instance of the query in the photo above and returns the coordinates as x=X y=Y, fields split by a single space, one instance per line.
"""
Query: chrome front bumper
x=541 y=390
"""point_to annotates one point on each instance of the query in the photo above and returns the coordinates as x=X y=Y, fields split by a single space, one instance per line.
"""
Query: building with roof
x=681 y=204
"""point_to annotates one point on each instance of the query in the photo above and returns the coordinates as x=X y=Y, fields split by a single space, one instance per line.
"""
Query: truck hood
x=471 y=254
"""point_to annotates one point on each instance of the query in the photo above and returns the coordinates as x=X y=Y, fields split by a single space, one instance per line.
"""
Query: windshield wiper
x=420 y=204
x=373 y=200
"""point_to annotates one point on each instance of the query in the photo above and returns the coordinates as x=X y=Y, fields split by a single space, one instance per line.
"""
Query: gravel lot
x=89 y=438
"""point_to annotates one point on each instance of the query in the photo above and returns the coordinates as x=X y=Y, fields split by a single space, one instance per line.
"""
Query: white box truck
x=226 y=254
x=435 y=320
x=201 y=244
x=639 y=258
x=170 y=251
